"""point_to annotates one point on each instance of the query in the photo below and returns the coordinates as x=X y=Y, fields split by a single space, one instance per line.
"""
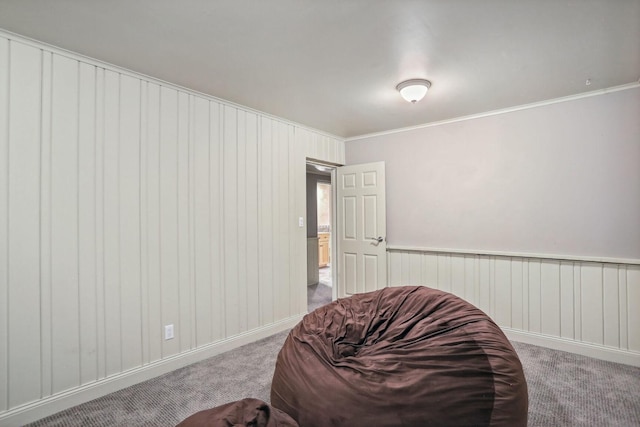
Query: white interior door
x=361 y=228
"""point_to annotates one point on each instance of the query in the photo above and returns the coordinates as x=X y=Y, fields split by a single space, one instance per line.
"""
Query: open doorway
x=323 y=196
x=319 y=236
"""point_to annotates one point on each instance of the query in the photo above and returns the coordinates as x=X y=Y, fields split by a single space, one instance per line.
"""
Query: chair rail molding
x=589 y=306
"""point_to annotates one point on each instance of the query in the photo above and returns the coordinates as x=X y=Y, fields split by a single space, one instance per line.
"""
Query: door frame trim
x=333 y=242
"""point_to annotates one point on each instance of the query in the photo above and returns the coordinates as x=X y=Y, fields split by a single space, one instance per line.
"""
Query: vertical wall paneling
x=470 y=276
x=64 y=225
x=405 y=272
x=567 y=300
x=292 y=235
x=430 y=270
x=230 y=204
x=101 y=340
x=622 y=306
x=300 y=209
x=202 y=224
x=112 y=285
x=4 y=226
x=144 y=223
x=535 y=299
x=444 y=272
x=87 y=221
x=484 y=284
x=610 y=305
x=129 y=214
x=266 y=221
x=322 y=147
x=517 y=293
x=182 y=330
x=283 y=221
x=261 y=200
x=128 y=204
x=46 y=346
x=276 y=246
x=409 y=273
x=192 y=224
x=169 y=258
x=492 y=286
x=406 y=261
x=525 y=295
x=577 y=301
x=152 y=245
x=633 y=301
x=222 y=223
x=550 y=297
x=393 y=270
x=23 y=235
x=286 y=222
x=457 y=274
x=241 y=235
x=574 y=301
x=252 y=187
x=592 y=297
x=503 y=290
x=311 y=146
x=216 y=214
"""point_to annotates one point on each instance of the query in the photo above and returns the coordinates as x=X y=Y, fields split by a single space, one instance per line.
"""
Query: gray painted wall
x=563 y=178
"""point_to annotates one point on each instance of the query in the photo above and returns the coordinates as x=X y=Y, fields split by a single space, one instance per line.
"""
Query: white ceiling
x=333 y=64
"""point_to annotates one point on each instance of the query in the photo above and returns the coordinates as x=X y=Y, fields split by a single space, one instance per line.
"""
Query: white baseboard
x=586 y=349
x=50 y=405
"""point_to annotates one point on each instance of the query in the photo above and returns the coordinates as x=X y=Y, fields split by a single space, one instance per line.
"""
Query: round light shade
x=414 y=90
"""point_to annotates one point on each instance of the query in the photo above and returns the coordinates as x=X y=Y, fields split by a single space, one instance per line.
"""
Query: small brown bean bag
x=245 y=413
x=405 y=356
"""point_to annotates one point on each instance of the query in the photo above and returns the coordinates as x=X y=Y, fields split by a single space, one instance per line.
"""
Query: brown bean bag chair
x=245 y=413
x=405 y=356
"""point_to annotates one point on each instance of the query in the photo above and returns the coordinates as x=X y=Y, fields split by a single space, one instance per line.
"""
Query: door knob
x=379 y=239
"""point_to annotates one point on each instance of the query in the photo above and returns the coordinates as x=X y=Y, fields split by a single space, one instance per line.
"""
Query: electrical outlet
x=168 y=332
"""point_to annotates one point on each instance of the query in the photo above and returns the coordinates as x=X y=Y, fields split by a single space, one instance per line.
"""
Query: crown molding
x=598 y=92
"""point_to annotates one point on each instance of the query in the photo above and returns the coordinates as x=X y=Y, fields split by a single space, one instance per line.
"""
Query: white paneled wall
x=591 y=307
x=322 y=147
x=127 y=204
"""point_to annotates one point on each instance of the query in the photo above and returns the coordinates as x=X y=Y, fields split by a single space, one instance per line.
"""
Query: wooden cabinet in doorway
x=323 y=249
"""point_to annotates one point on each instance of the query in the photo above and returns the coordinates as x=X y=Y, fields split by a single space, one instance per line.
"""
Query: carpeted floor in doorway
x=317 y=296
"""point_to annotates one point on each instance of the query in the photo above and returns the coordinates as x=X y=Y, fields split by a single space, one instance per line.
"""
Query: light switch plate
x=168 y=332
x=300 y=222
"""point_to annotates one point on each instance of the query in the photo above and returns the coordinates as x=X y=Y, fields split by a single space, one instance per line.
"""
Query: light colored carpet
x=318 y=295
x=168 y=399
x=325 y=276
x=564 y=390
x=567 y=389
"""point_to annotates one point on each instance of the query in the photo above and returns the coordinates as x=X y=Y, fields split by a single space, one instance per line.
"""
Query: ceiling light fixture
x=414 y=90
x=322 y=168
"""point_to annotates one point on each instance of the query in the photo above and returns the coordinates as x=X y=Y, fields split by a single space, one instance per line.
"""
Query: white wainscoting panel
x=589 y=307
x=323 y=147
x=128 y=204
